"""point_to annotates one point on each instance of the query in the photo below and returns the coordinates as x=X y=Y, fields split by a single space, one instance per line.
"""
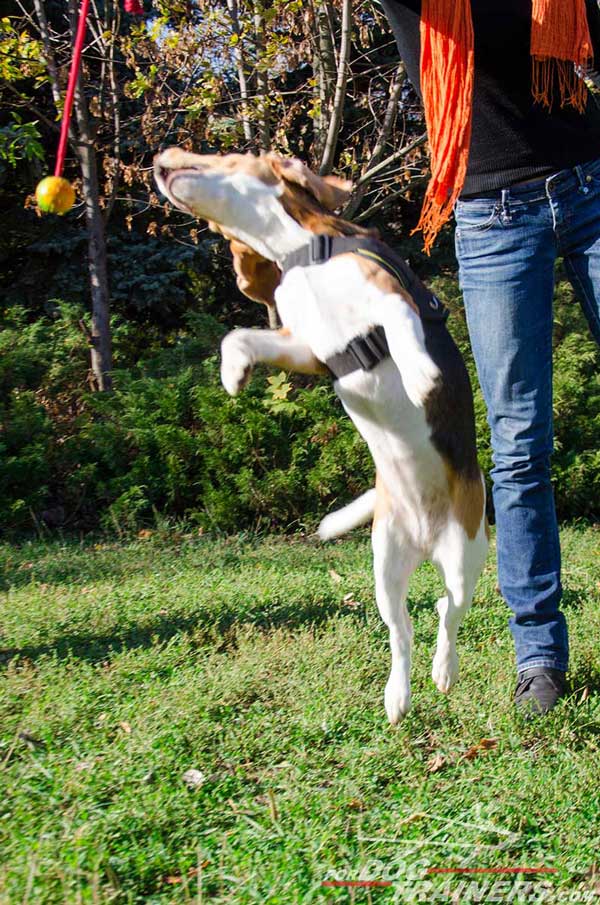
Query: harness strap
x=365 y=352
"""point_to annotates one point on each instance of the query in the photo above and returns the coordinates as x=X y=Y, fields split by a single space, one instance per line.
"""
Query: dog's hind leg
x=460 y=559
x=394 y=561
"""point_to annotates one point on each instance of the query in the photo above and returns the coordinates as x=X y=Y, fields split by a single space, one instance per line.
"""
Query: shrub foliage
x=169 y=442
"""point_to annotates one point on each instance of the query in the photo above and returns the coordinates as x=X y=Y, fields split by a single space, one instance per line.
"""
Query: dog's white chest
x=326 y=305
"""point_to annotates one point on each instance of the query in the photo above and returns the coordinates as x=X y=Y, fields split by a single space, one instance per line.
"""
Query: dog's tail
x=351 y=516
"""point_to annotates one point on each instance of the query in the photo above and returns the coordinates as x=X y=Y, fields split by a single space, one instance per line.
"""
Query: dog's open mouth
x=168 y=176
x=167 y=179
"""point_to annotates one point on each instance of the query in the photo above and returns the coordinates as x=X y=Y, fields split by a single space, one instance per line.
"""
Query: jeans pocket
x=476 y=216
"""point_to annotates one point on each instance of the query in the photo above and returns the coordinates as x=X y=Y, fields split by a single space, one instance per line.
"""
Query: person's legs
x=577 y=214
x=506 y=250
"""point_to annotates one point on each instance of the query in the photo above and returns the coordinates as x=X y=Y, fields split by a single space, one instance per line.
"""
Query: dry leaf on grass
x=196 y=870
x=418 y=815
x=174 y=879
x=350 y=601
x=484 y=744
x=335 y=577
x=193 y=778
x=435 y=763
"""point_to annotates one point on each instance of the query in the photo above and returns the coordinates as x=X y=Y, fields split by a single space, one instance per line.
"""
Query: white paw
x=420 y=378
x=396 y=699
x=237 y=362
x=445 y=669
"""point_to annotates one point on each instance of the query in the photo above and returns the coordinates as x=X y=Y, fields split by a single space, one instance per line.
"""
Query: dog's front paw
x=420 y=379
x=237 y=362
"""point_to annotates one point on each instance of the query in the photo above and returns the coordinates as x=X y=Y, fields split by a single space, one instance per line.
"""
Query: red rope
x=66 y=117
x=131 y=6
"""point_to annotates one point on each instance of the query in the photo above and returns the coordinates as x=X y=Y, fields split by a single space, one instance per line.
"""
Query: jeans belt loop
x=505 y=214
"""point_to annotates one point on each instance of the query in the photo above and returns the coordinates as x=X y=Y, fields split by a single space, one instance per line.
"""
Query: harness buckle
x=320 y=249
x=369 y=350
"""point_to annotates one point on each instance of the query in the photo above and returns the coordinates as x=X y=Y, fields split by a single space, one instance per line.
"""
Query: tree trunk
x=101 y=351
x=238 y=53
x=325 y=72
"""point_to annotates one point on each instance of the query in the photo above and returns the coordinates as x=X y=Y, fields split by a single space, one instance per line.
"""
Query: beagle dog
x=412 y=404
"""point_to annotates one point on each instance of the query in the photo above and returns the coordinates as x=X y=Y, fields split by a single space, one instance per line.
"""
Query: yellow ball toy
x=55 y=195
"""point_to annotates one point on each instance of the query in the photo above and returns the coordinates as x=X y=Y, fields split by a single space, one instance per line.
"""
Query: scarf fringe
x=433 y=217
x=546 y=72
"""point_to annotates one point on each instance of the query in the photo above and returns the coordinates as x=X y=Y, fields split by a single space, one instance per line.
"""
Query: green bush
x=168 y=442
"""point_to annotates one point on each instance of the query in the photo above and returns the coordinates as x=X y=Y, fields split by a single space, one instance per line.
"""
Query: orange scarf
x=560 y=42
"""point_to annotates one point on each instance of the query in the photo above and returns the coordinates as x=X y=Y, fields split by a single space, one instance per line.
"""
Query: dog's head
x=221 y=188
x=233 y=193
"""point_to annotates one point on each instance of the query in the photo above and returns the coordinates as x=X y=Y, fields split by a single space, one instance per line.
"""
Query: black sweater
x=513 y=139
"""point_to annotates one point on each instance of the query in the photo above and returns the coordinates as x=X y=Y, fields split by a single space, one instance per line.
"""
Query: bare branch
x=389 y=199
x=325 y=67
x=238 y=53
x=262 y=79
x=340 y=91
x=116 y=112
x=44 y=30
x=384 y=132
x=27 y=103
x=397 y=155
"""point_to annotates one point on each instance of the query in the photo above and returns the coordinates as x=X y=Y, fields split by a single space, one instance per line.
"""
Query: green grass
x=124 y=665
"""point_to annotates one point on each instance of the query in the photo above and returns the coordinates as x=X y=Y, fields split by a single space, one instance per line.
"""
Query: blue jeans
x=507 y=243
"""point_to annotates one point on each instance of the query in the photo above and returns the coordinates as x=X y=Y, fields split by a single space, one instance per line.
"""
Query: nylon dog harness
x=365 y=352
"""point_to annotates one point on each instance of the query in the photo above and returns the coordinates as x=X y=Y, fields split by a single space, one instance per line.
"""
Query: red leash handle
x=66 y=117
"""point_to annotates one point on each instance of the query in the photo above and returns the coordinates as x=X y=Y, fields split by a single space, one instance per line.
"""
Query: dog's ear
x=257 y=277
x=330 y=191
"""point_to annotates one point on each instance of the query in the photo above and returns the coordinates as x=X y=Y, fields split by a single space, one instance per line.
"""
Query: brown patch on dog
x=449 y=407
x=306 y=210
x=257 y=277
x=383 y=501
x=330 y=191
x=376 y=274
x=467 y=500
x=289 y=363
x=310 y=366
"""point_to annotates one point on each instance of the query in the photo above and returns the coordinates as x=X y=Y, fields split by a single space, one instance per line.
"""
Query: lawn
x=260 y=664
